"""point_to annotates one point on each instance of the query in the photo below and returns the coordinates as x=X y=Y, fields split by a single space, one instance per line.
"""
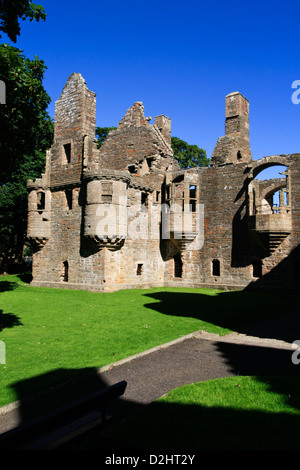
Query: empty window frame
x=192 y=197
x=67 y=152
x=257 y=268
x=144 y=199
x=216 y=271
x=177 y=266
x=41 y=200
x=139 y=269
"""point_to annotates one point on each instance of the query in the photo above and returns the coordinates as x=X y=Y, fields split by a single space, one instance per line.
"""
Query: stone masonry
x=126 y=216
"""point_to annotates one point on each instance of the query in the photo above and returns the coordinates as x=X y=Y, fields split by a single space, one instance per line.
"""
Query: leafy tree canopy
x=101 y=133
x=188 y=156
x=12 y=11
x=26 y=134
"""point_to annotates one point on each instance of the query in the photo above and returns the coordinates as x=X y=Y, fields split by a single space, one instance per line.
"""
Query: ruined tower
x=234 y=147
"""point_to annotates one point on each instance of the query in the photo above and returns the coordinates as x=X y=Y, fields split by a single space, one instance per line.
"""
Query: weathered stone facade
x=126 y=216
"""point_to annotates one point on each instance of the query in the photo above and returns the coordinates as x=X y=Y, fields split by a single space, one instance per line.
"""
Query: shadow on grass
x=253 y=313
x=8 y=320
x=25 y=277
x=7 y=286
x=181 y=428
x=45 y=394
x=173 y=426
x=176 y=427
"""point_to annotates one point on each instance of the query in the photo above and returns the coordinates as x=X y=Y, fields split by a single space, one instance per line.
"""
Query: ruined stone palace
x=126 y=216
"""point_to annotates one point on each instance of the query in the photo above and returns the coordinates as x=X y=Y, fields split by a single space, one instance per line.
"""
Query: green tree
x=188 y=156
x=101 y=133
x=26 y=134
x=12 y=11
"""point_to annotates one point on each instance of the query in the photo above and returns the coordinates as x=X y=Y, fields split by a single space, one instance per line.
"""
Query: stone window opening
x=150 y=161
x=132 y=168
x=216 y=271
x=239 y=155
x=139 y=269
x=144 y=199
x=177 y=266
x=65 y=272
x=67 y=152
x=41 y=201
x=157 y=198
x=192 y=197
x=69 y=198
x=257 y=268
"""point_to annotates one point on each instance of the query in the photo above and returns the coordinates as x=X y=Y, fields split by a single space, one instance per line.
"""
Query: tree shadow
x=25 y=277
x=7 y=286
x=8 y=320
x=240 y=311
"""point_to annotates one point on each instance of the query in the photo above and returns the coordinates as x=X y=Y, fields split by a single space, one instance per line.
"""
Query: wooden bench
x=64 y=423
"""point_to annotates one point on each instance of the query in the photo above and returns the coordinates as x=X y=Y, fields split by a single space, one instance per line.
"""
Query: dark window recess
x=192 y=205
x=216 y=267
x=257 y=268
x=157 y=196
x=65 y=276
x=41 y=201
x=67 y=150
x=69 y=197
x=149 y=162
x=132 y=169
x=177 y=266
x=144 y=199
x=239 y=155
x=139 y=269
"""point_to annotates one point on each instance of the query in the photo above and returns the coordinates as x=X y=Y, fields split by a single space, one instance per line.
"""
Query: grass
x=234 y=413
x=52 y=334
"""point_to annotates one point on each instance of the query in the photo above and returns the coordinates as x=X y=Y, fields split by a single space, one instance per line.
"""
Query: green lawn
x=54 y=330
x=234 y=413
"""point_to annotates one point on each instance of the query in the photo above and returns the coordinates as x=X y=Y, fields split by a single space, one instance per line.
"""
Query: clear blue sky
x=180 y=58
